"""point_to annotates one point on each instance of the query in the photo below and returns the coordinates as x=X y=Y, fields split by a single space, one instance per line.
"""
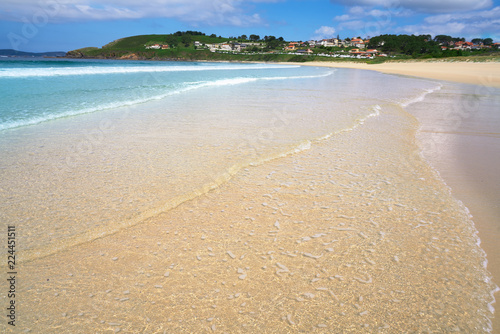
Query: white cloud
x=438 y=19
x=363 y=21
x=211 y=12
x=469 y=25
x=362 y=18
x=355 y=25
x=362 y=13
x=344 y=17
x=453 y=29
x=473 y=17
x=323 y=33
x=423 y=6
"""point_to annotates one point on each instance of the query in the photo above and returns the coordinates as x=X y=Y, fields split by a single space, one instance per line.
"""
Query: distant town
x=194 y=45
x=339 y=48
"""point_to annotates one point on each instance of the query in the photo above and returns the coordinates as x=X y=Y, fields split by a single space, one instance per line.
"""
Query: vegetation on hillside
x=424 y=46
x=181 y=46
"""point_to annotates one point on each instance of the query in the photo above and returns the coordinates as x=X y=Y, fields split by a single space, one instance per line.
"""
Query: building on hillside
x=255 y=44
x=329 y=42
x=463 y=45
x=237 y=47
x=292 y=46
x=357 y=43
x=302 y=51
x=225 y=47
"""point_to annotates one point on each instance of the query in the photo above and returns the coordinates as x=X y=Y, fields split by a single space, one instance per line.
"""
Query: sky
x=64 y=25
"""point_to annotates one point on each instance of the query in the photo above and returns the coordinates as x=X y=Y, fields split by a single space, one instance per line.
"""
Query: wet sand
x=352 y=233
x=462 y=141
x=466 y=148
x=337 y=238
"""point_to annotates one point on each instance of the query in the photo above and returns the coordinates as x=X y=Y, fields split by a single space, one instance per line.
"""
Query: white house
x=329 y=42
x=154 y=46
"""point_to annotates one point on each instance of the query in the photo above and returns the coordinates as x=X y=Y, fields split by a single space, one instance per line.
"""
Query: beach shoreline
x=344 y=227
x=485 y=74
x=449 y=148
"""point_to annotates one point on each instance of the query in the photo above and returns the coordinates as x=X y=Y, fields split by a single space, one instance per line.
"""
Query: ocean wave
x=420 y=97
x=100 y=70
x=128 y=103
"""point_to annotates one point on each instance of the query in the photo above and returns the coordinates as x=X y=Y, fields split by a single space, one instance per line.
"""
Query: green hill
x=134 y=47
x=193 y=45
x=181 y=47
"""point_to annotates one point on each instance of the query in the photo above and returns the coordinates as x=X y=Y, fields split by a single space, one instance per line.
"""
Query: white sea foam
x=421 y=96
x=99 y=70
x=127 y=103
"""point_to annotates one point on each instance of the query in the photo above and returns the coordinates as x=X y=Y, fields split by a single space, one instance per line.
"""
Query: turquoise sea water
x=37 y=90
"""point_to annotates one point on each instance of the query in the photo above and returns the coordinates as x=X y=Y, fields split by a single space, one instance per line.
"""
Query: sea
x=91 y=150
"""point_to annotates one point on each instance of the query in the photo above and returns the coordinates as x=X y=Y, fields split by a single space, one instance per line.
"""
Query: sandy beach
x=255 y=215
x=315 y=242
x=485 y=74
x=466 y=153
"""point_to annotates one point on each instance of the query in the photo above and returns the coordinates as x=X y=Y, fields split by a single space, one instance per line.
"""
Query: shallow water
x=307 y=196
x=74 y=179
x=460 y=137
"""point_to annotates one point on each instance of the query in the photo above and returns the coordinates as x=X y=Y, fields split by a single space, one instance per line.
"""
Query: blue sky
x=63 y=25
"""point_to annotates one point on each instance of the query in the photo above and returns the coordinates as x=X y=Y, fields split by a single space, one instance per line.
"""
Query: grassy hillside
x=182 y=48
x=135 y=47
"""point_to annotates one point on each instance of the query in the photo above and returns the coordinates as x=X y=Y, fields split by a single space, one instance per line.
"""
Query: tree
x=405 y=44
x=189 y=32
x=244 y=37
x=254 y=38
x=171 y=41
x=426 y=37
x=488 y=41
x=477 y=41
x=443 y=39
x=273 y=43
x=186 y=40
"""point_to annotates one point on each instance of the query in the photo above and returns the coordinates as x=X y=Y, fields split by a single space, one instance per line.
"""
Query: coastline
x=325 y=234
x=464 y=152
x=485 y=74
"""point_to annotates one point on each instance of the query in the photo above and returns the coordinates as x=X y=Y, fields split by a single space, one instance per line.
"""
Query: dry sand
x=487 y=74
